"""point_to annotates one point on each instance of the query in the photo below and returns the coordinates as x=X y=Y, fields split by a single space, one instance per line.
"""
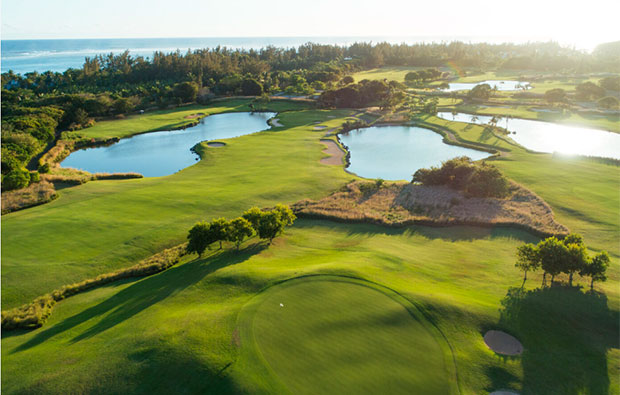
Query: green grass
x=105 y=225
x=180 y=330
x=183 y=330
x=328 y=334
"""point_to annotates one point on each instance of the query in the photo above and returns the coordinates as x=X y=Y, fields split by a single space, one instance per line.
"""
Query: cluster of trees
x=474 y=179
x=568 y=256
x=589 y=91
x=364 y=94
x=266 y=224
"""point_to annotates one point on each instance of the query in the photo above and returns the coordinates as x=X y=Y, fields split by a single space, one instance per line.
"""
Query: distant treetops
x=266 y=224
x=568 y=256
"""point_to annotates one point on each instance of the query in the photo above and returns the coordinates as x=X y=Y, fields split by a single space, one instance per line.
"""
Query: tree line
x=568 y=256
x=266 y=224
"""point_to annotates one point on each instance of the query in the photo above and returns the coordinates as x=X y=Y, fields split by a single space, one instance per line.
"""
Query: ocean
x=23 y=56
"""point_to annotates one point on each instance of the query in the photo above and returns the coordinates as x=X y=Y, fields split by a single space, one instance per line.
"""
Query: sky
x=582 y=24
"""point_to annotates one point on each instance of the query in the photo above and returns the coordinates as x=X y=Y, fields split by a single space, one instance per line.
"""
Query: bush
x=16 y=179
x=609 y=103
x=44 y=168
x=251 y=87
x=476 y=180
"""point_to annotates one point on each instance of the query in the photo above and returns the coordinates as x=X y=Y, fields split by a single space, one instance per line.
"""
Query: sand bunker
x=503 y=343
x=335 y=152
x=215 y=144
x=276 y=122
x=504 y=392
x=194 y=116
x=320 y=127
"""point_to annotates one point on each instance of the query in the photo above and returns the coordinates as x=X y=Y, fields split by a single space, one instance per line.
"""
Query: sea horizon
x=57 y=55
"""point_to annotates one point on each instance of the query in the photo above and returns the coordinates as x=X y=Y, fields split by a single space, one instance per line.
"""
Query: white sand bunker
x=276 y=122
x=215 y=144
x=504 y=392
x=503 y=343
x=320 y=127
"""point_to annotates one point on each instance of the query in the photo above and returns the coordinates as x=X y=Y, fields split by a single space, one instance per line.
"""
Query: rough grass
x=34 y=314
x=34 y=194
x=402 y=204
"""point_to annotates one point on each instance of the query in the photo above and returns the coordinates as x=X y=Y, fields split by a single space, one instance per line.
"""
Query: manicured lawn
x=210 y=325
x=101 y=226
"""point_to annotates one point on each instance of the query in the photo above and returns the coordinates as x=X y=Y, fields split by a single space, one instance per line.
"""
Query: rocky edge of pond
x=403 y=204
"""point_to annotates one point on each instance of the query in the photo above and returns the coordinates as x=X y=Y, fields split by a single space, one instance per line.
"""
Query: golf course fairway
x=333 y=334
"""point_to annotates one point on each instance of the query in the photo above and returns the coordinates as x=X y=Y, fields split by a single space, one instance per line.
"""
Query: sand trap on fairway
x=276 y=122
x=215 y=144
x=320 y=127
x=503 y=343
x=335 y=152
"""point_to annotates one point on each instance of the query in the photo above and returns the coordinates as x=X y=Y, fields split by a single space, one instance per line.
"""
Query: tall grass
x=34 y=314
x=33 y=195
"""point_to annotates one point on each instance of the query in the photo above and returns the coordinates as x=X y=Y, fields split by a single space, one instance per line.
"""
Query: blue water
x=162 y=153
x=24 y=56
x=396 y=152
x=551 y=137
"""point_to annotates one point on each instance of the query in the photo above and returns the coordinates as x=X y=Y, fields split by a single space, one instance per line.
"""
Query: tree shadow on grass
x=566 y=334
x=143 y=294
x=450 y=233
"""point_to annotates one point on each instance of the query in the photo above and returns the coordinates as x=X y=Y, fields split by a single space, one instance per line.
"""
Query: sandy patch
x=320 y=127
x=335 y=152
x=503 y=343
x=194 y=116
x=504 y=392
x=276 y=122
x=215 y=144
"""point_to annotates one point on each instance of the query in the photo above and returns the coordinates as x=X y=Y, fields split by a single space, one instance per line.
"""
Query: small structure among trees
x=568 y=256
x=266 y=224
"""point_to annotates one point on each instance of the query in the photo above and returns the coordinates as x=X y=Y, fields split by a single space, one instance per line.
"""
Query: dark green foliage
x=555 y=95
x=553 y=255
x=475 y=179
x=611 y=83
x=269 y=226
x=588 y=90
x=15 y=179
x=528 y=259
x=251 y=87
x=363 y=94
x=238 y=229
x=44 y=168
x=480 y=92
x=596 y=268
x=186 y=91
x=609 y=103
x=218 y=229
x=199 y=238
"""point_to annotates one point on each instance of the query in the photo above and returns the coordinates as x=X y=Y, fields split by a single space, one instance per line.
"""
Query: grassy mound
x=328 y=334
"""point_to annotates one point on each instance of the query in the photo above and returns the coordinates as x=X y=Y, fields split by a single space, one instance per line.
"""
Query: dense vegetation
x=475 y=179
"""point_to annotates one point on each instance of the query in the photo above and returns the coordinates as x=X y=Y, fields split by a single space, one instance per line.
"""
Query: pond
x=502 y=85
x=551 y=137
x=158 y=154
x=396 y=152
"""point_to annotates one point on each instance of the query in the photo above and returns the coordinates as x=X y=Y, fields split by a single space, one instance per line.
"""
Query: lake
x=162 y=153
x=396 y=152
x=502 y=85
x=552 y=137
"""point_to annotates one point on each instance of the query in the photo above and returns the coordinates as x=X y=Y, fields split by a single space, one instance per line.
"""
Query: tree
x=186 y=91
x=251 y=87
x=553 y=254
x=238 y=229
x=199 y=238
x=555 y=95
x=269 y=225
x=218 y=228
x=480 y=92
x=596 y=268
x=609 y=103
x=347 y=80
x=285 y=214
x=253 y=215
x=588 y=90
x=576 y=260
x=527 y=259
x=16 y=179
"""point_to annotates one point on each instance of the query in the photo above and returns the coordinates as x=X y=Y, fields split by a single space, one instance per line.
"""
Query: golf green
x=330 y=334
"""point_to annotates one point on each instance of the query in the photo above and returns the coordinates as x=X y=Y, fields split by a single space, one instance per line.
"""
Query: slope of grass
x=105 y=225
x=178 y=331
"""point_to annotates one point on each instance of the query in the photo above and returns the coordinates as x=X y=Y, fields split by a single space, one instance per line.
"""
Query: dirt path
x=335 y=152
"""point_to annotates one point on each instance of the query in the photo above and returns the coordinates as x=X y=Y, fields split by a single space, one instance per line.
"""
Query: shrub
x=609 y=103
x=16 y=179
